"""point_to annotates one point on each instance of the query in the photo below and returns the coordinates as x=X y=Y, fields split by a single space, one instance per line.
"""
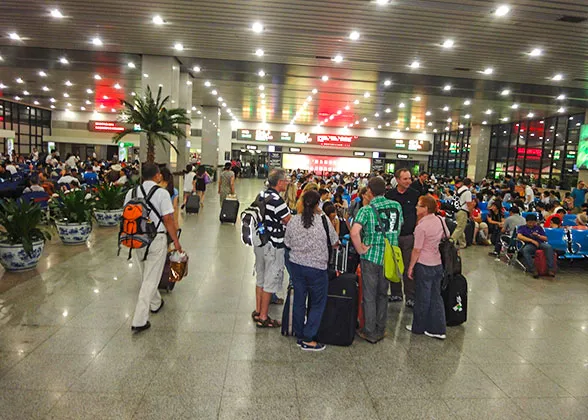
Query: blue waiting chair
x=483 y=206
x=557 y=239
x=569 y=220
x=39 y=197
x=580 y=242
x=506 y=205
x=526 y=213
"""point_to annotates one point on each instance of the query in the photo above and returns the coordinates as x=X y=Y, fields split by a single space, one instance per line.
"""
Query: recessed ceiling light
x=430 y=124
x=36 y=102
x=178 y=46
x=417 y=98
x=484 y=122
x=52 y=100
x=220 y=99
x=207 y=84
x=388 y=110
x=428 y=113
x=536 y=52
x=445 y=108
x=117 y=86
x=97 y=42
x=88 y=102
x=259 y=52
x=14 y=36
x=467 y=102
x=262 y=96
x=158 y=20
x=449 y=120
x=338 y=58
x=505 y=119
x=557 y=77
x=261 y=87
x=354 y=36
x=42 y=73
x=68 y=83
x=356 y=102
x=364 y=119
x=309 y=98
x=415 y=65
x=26 y=93
x=45 y=88
x=257 y=27
x=387 y=82
x=112 y=110
x=488 y=70
x=325 y=78
x=505 y=92
x=447 y=88
x=382 y=2
x=488 y=111
x=131 y=65
x=561 y=97
x=530 y=115
x=214 y=92
x=82 y=108
x=467 y=116
x=448 y=43
x=145 y=75
x=561 y=110
x=68 y=104
x=502 y=10
x=105 y=97
x=52 y=106
x=97 y=77
x=17 y=98
x=314 y=91
x=401 y=105
x=19 y=80
x=89 y=91
x=63 y=60
x=377 y=114
x=515 y=106
x=196 y=69
x=56 y=14
x=261 y=73
x=366 y=95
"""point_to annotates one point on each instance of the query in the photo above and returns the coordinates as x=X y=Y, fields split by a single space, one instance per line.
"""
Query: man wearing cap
x=466 y=205
x=534 y=238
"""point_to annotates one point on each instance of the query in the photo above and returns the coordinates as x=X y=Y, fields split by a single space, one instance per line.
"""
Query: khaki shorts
x=269 y=268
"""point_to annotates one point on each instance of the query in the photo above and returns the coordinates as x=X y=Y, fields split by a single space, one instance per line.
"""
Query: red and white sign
x=529 y=153
x=105 y=127
x=335 y=140
x=320 y=164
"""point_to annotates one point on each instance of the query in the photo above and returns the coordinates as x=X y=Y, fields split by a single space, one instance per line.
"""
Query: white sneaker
x=408 y=327
x=439 y=336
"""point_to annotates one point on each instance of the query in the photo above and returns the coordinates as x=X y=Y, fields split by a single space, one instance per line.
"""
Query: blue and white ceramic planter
x=108 y=218
x=73 y=233
x=14 y=258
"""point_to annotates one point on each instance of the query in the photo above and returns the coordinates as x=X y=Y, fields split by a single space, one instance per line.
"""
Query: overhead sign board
x=335 y=140
x=105 y=127
x=412 y=145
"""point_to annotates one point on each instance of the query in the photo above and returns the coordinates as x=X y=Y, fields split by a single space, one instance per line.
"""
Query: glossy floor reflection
x=66 y=349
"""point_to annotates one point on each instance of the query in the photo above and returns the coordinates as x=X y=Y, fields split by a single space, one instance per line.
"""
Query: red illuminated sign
x=335 y=140
x=105 y=127
x=529 y=153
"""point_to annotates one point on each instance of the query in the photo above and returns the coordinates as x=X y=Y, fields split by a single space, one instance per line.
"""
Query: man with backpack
x=146 y=233
x=270 y=257
x=464 y=205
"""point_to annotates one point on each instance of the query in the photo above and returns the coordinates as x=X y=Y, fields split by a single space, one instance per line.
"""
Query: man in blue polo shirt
x=534 y=238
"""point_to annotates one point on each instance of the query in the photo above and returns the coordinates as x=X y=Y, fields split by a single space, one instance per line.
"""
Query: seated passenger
x=495 y=224
x=581 y=222
x=559 y=214
x=90 y=177
x=555 y=223
x=35 y=187
x=534 y=238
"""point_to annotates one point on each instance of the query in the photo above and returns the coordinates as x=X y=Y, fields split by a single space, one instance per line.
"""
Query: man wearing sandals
x=269 y=259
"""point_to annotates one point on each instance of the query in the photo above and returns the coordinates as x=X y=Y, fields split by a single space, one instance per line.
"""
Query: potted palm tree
x=108 y=207
x=22 y=238
x=72 y=214
x=154 y=119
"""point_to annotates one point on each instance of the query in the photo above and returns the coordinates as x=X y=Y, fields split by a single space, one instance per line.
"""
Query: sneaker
x=408 y=327
x=395 y=299
x=439 y=336
x=308 y=347
x=493 y=254
x=410 y=303
x=299 y=343
x=366 y=338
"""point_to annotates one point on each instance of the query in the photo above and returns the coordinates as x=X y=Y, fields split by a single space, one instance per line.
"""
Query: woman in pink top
x=426 y=270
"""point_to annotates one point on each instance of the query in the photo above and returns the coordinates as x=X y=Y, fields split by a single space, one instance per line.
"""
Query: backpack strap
x=148 y=201
x=445 y=235
x=326 y=226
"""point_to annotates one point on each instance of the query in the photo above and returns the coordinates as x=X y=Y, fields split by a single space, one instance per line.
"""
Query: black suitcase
x=229 y=210
x=288 y=313
x=193 y=204
x=340 y=317
x=455 y=298
x=469 y=232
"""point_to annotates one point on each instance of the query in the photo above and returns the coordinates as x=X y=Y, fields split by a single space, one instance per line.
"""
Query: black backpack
x=449 y=257
x=253 y=231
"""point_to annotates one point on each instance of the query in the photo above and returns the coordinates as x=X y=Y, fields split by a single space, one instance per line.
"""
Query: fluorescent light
x=447 y=88
x=488 y=70
x=56 y=14
x=415 y=65
x=97 y=77
x=52 y=100
x=42 y=74
x=488 y=111
x=445 y=108
x=484 y=122
x=259 y=52
x=178 y=46
x=338 y=58
x=63 y=60
x=505 y=119
x=561 y=110
x=207 y=84
x=401 y=105
x=89 y=91
x=97 y=42
x=19 y=80
x=502 y=10
x=366 y=95
x=14 y=36
x=25 y=93
x=505 y=92
x=45 y=88
x=557 y=77
x=530 y=115
x=467 y=116
x=158 y=20
x=257 y=27
x=467 y=102
x=354 y=36
x=515 y=106
x=145 y=75
x=536 y=52
x=448 y=43
x=68 y=83
x=66 y=95
x=561 y=97
x=117 y=86
x=387 y=82
x=131 y=65
x=36 y=102
x=382 y=2
x=428 y=113
x=356 y=102
x=17 y=98
x=388 y=110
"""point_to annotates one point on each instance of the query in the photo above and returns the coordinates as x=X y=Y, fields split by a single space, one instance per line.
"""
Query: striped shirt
x=275 y=210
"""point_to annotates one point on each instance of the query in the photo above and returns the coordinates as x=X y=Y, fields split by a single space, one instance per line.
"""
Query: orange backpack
x=137 y=230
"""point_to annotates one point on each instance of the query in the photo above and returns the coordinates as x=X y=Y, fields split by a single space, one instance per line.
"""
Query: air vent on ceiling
x=461 y=69
x=322 y=57
x=580 y=80
x=572 y=19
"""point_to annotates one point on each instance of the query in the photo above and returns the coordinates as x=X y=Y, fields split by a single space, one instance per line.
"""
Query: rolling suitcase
x=229 y=210
x=455 y=298
x=541 y=262
x=193 y=204
x=288 y=313
x=164 y=283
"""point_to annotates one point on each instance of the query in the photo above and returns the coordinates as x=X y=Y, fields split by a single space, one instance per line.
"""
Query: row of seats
x=568 y=243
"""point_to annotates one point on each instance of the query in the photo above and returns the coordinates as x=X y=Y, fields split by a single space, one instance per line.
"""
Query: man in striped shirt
x=269 y=259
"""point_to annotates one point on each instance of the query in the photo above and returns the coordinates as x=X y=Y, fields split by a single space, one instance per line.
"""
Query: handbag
x=393 y=262
x=207 y=179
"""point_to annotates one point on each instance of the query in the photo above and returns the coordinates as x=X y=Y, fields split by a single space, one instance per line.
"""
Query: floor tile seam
x=507 y=398
x=220 y=402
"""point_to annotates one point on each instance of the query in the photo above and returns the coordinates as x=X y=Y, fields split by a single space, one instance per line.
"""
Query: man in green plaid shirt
x=368 y=240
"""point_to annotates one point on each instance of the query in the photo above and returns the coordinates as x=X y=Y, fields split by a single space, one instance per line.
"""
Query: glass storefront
x=540 y=150
x=451 y=151
x=30 y=124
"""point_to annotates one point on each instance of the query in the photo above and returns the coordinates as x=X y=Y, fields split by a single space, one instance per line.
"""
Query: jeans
x=458 y=236
x=375 y=299
x=406 y=244
x=495 y=238
x=528 y=253
x=314 y=284
x=429 y=310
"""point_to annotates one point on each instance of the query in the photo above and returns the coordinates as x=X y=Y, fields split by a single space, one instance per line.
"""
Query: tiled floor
x=66 y=349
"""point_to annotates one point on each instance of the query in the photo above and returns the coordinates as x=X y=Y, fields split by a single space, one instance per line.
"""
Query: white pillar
x=224 y=141
x=479 y=150
x=210 y=135
x=186 y=103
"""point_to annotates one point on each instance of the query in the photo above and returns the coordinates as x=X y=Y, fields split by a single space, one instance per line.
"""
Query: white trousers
x=151 y=270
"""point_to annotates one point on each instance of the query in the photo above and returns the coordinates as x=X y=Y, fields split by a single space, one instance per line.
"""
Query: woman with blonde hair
x=311 y=186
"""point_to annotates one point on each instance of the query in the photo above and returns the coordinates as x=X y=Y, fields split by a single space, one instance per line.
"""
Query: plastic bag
x=178 y=266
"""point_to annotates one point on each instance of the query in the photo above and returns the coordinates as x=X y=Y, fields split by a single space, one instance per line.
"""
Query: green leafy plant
x=110 y=197
x=21 y=222
x=154 y=119
x=72 y=207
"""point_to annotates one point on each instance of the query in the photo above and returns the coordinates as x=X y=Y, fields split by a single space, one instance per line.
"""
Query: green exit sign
x=126 y=144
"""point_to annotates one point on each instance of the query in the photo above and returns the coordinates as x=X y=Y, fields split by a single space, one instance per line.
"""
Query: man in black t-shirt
x=408 y=198
x=420 y=184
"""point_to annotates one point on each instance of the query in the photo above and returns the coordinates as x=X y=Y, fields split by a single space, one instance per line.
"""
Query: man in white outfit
x=152 y=267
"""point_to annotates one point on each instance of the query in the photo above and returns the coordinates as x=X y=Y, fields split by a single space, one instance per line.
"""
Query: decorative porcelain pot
x=14 y=258
x=108 y=218
x=73 y=233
